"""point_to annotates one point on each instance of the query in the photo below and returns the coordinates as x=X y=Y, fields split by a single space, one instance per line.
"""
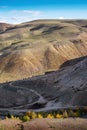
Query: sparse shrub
x=39 y=116
x=50 y=116
x=25 y=118
x=34 y=115
x=76 y=114
x=71 y=114
x=79 y=113
x=59 y=116
x=65 y=114
x=29 y=113
x=12 y=117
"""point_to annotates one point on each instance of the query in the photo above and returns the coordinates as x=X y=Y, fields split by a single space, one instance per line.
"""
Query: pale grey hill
x=66 y=87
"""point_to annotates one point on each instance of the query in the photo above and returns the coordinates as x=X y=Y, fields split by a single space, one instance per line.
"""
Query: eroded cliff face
x=66 y=87
x=36 y=47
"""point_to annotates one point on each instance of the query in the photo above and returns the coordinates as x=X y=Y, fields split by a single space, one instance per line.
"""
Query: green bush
x=25 y=118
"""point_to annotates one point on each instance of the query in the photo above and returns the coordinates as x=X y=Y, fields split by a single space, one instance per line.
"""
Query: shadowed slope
x=66 y=87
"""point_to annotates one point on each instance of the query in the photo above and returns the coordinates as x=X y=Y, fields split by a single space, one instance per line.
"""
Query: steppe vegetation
x=51 y=115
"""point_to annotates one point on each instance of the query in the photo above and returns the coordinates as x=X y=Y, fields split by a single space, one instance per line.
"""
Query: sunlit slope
x=39 y=46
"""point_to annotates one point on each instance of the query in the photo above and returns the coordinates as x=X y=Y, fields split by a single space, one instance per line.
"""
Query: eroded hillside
x=66 y=87
x=36 y=47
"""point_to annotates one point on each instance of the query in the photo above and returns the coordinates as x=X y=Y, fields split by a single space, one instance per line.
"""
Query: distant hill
x=36 y=47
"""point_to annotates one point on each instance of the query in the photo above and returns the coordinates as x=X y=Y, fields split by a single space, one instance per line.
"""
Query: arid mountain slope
x=36 y=47
x=4 y=27
x=66 y=87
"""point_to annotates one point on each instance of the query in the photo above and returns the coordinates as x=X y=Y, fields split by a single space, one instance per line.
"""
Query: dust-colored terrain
x=66 y=87
x=35 y=47
x=45 y=124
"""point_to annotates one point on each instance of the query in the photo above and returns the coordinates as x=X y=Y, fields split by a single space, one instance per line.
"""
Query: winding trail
x=40 y=100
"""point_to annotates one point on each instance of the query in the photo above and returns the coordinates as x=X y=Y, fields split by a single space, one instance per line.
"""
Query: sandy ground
x=45 y=124
x=9 y=124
